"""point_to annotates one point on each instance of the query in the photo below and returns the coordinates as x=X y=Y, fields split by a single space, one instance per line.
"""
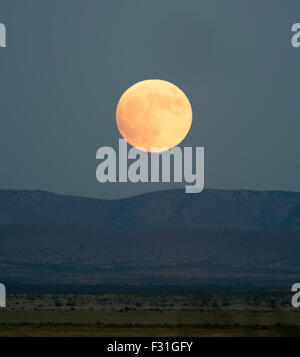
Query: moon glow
x=154 y=115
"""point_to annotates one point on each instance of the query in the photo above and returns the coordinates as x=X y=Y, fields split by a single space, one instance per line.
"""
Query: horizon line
x=149 y=193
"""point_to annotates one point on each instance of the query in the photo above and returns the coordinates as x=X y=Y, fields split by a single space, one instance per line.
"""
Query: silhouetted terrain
x=211 y=209
x=162 y=237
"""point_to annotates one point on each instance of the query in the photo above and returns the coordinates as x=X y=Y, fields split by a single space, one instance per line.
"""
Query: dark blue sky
x=68 y=61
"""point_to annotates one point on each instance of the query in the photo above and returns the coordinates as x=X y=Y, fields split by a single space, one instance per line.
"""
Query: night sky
x=67 y=63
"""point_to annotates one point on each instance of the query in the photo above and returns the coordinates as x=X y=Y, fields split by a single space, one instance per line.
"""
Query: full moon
x=154 y=115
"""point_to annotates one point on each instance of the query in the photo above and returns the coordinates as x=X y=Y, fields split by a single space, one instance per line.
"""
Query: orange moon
x=154 y=115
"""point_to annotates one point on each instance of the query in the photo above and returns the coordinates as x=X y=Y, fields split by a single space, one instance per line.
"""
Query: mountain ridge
x=211 y=209
x=161 y=237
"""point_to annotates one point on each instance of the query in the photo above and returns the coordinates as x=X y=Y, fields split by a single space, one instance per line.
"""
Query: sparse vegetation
x=257 y=312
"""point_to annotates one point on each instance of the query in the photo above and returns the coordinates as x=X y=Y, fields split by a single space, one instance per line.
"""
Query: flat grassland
x=205 y=313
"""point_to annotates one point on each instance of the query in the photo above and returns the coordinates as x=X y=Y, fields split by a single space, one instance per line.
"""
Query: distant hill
x=211 y=209
x=164 y=237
